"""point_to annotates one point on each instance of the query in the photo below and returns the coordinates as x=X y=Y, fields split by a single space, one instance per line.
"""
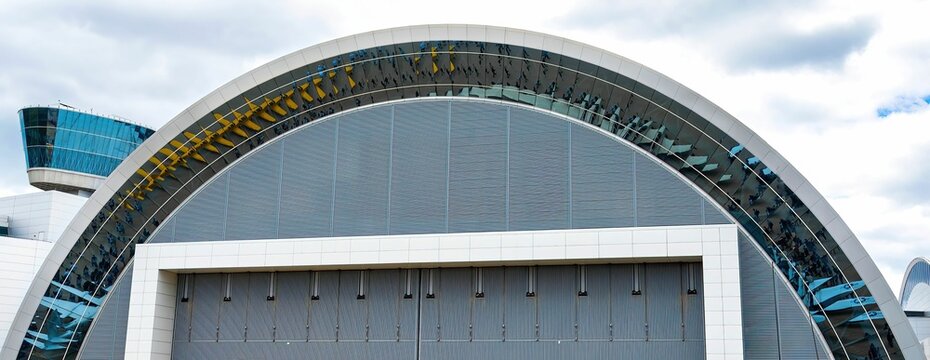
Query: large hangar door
x=521 y=312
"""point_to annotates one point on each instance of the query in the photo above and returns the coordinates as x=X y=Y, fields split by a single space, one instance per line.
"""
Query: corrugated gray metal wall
x=454 y=323
x=766 y=300
x=776 y=326
x=107 y=340
x=434 y=167
x=442 y=166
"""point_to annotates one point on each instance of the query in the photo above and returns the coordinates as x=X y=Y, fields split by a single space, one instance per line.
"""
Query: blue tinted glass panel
x=74 y=141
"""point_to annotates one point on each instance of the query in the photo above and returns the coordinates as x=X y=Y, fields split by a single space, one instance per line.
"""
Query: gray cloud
x=912 y=186
x=146 y=62
x=645 y=19
x=743 y=35
x=785 y=48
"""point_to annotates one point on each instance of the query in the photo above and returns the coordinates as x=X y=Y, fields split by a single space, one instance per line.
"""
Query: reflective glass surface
x=76 y=141
x=802 y=249
x=915 y=294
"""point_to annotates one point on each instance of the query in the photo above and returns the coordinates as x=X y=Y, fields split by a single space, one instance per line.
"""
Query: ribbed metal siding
x=353 y=313
x=324 y=312
x=362 y=162
x=795 y=331
x=593 y=309
x=602 y=181
x=419 y=164
x=408 y=308
x=556 y=302
x=662 y=199
x=628 y=312
x=205 y=300
x=768 y=300
x=183 y=310
x=261 y=312
x=384 y=296
x=455 y=304
x=165 y=232
x=233 y=312
x=470 y=327
x=292 y=295
x=758 y=303
x=204 y=217
x=478 y=168
x=693 y=304
x=488 y=312
x=712 y=215
x=663 y=292
x=253 y=196
x=307 y=183
x=539 y=172
x=107 y=339
x=437 y=166
x=429 y=307
x=519 y=310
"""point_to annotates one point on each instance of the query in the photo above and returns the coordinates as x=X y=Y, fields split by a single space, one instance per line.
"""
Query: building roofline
x=115 y=118
x=907 y=274
x=741 y=133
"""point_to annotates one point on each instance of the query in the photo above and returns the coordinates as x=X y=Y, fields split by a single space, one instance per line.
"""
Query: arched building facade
x=450 y=191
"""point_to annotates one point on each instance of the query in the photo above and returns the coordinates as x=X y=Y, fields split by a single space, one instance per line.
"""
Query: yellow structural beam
x=229 y=125
x=348 y=70
x=218 y=137
x=319 y=90
x=275 y=107
x=303 y=93
x=288 y=101
x=244 y=120
x=200 y=143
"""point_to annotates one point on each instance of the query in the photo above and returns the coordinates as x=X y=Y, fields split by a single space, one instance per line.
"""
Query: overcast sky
x=840 y=89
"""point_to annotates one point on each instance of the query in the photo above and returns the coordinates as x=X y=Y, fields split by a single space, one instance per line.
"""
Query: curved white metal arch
x=805 y=191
